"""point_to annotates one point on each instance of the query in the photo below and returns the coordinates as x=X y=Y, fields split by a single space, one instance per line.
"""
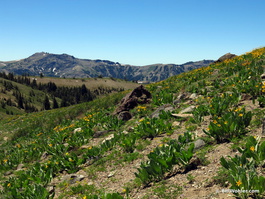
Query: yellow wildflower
x=142 y=119
x=50 y=145
x=240 y=115
x=225 y=122
x=5 y=160
x=238 y=183
x=9 y=184
x=215 y=122
x=252 y=148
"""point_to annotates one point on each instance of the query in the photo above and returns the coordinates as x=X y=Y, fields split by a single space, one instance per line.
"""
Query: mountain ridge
x=64 y=65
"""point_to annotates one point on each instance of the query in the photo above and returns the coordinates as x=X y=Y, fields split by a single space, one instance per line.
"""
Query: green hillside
x=25 y=94
x=205 y=141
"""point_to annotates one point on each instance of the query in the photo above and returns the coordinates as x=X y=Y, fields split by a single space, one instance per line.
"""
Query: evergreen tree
x=20 y=101
x=46 y=103
x=55 y=104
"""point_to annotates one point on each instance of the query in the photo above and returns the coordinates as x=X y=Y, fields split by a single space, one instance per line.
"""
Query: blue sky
x=137 y=32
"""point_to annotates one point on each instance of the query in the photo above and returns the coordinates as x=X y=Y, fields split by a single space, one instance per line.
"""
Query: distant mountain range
x=63 y=65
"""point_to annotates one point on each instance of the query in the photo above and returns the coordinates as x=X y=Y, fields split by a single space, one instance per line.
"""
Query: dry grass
x=91 y=83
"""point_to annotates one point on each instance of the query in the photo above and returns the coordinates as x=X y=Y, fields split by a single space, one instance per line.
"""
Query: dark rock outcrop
x=225 y=57
x=125 y=115
x=138 y=96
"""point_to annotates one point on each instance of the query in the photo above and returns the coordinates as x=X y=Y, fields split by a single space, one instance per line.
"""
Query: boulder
x=108 y=138
x=225 y=57
x=124 y=115
x=188 y=109
x=198 y=144
x=77 y=130
x=165 y=107
x=44 y=155
x=98 y=134
x=138 y=96
x=72 y=178
x=180 y=97
x=193 y=96
x=182 y=115
x=20 y=166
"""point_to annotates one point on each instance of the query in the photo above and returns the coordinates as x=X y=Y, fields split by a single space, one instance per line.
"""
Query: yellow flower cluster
x=141 y=108
x=257 y=53
x=87 y=118
x=238 y=109
x=263 y=87
x=59 y=129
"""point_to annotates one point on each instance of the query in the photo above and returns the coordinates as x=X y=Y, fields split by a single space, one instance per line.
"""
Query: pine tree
x=46 y=103
x=55 y=104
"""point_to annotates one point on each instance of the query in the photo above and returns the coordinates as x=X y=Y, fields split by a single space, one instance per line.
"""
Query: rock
x=138 y=96
x=66 y=144
x=170 y=108
x=44 y=155
x=176 y=123
x=245 y=96
x=124 y=116
x=131 y=129
x=198 y=144
x=225 y=57
x=180 y=98
x=188 y=109
x=215 y=72
x=20 y=166
x=50 y=189
x=182 y=115
x=108 y=138
x=77 y=130
x=193 y=96
x=72 y=178
x=111 y=174
x=85 y=147
x=76 y=178
x=90 y=183
x=8 y=173
x=98 y=134
x=165 y=107
x=125 y=132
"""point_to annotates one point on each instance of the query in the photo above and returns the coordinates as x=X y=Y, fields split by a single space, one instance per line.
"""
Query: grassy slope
x=37 y=100
x=110 y=166
x=91 y=83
